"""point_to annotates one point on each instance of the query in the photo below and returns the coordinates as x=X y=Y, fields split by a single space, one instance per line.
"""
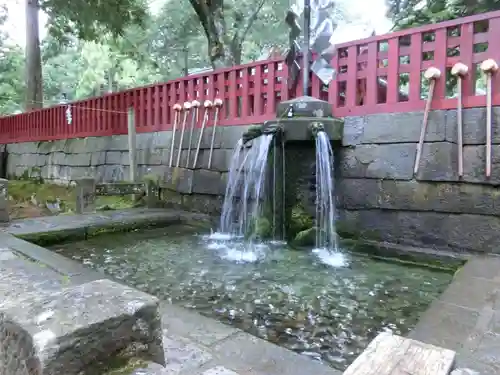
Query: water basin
x=325 y=307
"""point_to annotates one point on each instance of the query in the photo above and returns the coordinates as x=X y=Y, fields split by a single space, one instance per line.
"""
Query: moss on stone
x=253 y=131
x=263 y=228
x=304 y=238
x=300 y=222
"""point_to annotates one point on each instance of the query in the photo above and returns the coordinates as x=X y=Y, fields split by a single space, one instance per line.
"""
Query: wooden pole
x=488 y=67
x=460 y=70
x=431 y=74
x=132 y=144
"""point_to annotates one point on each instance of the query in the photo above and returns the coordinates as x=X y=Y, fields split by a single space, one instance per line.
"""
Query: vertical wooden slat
x=232 y=97
x=271 y=90
x=466 y=57
x=371 y=75
x=440 y=50
x=415 y=67
x=352 y=76
x=393 y=71
x=257 y=97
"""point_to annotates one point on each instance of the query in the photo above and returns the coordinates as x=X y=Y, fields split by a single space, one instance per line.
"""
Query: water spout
x=243 y=201
x=326 y=236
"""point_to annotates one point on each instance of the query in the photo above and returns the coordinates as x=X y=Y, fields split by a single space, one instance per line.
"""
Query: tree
x=227 y=24
x=411 y=13
x=87 y=20
x=11 y=66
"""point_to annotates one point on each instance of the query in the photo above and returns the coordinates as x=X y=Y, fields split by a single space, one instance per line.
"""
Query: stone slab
x=206 y=182
x=389 y=354
x=403 y=127
x=178 y=179
x=474 y=126
x=79 y=327
x=418 y=196
x=393 y=161
x=244 y=353
x=458 y=232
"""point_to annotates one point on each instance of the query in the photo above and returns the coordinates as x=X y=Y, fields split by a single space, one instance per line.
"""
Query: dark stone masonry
x=380 y=198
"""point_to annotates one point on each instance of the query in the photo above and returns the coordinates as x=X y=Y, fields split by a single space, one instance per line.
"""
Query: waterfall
x=326 y=236
x=245 y=187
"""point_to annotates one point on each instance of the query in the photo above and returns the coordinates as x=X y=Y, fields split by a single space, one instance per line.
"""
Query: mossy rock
x=253 y=132
x=260 y=228
x=300 y=220
x=304 y=238
x=263 y=228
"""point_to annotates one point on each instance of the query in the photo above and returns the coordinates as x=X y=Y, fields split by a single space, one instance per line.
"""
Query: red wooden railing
x=381 y=74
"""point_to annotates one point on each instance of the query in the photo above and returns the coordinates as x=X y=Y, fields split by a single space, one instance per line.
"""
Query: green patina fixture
x=255 y=131
x=315 y=127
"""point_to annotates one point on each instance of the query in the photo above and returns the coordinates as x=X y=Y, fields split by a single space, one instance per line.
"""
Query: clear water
x=326 y=236
x=326 y=306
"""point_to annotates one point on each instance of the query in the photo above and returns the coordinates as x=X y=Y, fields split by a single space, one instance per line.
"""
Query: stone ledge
x=456 y=232
x=80 y=329
x=444 y=197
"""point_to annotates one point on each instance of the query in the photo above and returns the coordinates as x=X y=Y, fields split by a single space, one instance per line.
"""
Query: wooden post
x=132 y=144
x=4 y=201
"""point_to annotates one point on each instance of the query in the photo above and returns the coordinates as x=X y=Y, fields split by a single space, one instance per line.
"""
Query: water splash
x=326 y=236
x=245 y=187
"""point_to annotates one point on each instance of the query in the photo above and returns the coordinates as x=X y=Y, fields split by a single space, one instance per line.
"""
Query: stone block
x=94 y=144
x=117 y=157
x=179 y=180
x=393 y=161
x=98 y=158
x=112 y=173
x=227 y=136
x=117 y=143
x=50 y=172
x=79 y=145
x=403 y=127
x=221 y=159
x=474 y=126
x=78 y=160
x=154 y=156
x=207 y=204
x=458 y=232
x=439 y=162
x=206 y=182
x=85 y=195
x=144 y=141
x=81 y=329
x=418 y=196
x=475 y=165
x=354 y=127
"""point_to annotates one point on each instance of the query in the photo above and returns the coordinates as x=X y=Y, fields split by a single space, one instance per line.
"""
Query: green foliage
x=412 y=13
x=11 y=66
x=90 y=19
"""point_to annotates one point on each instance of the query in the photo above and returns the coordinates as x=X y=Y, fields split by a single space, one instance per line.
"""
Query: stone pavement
x=466 y=318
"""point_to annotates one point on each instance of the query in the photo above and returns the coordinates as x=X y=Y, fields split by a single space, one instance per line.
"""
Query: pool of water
x=326 y=307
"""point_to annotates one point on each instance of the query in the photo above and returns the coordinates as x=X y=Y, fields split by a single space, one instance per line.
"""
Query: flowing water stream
x=287 y=297
x=326 y=236
x=245 y=187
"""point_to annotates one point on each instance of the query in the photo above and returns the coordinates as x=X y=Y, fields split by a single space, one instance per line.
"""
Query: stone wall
x=107 y=159
x=379 y=196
